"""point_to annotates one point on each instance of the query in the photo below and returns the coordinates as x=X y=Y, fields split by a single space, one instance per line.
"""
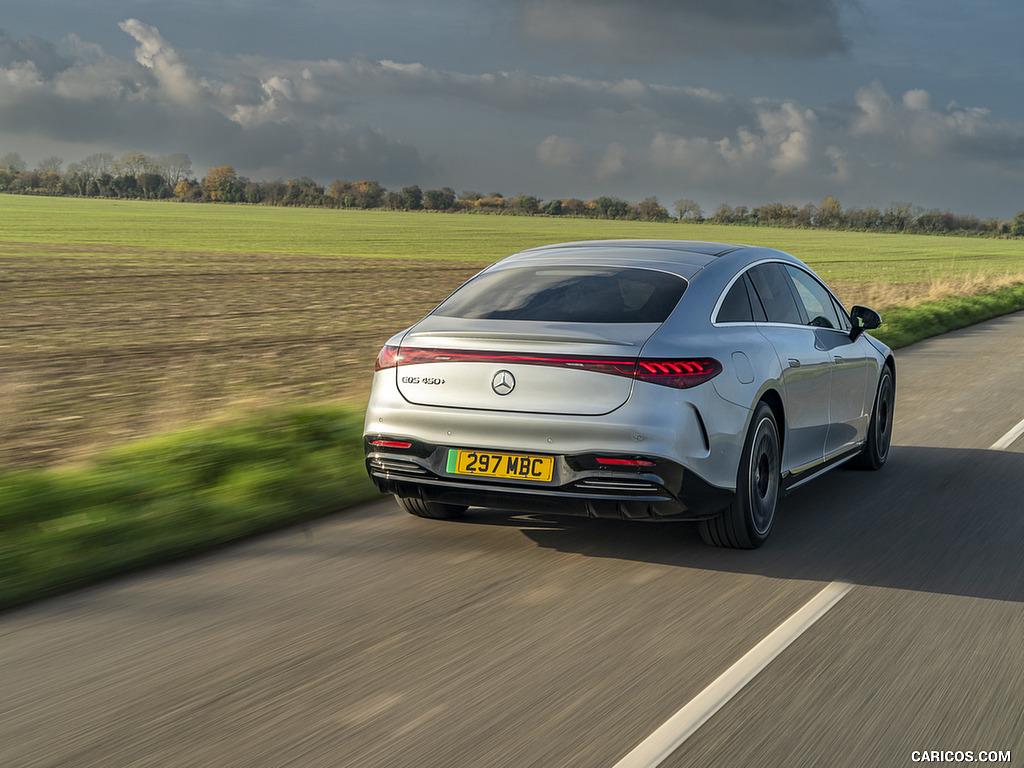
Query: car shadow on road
x=934 y=519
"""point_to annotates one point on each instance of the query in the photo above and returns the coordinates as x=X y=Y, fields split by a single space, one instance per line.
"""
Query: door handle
x=840 y=359
x=794 y=363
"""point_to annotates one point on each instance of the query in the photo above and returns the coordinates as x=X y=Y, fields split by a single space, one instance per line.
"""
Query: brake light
x=669 y=372
x=391 y=443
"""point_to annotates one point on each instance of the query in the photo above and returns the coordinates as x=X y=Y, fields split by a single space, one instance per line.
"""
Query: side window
x=844 y=316
x=736 y=305
x=816 y=300
x=772 y=287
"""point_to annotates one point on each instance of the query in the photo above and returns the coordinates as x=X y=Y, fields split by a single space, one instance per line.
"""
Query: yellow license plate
x=511 y=466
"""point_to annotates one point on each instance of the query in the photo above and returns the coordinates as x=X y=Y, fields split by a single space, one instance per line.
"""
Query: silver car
x=639 y=380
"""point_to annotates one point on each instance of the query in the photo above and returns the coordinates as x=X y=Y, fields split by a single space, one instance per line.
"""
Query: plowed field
x=98 y=346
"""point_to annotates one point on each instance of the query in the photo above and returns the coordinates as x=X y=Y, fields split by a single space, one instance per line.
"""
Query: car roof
x=681 y=257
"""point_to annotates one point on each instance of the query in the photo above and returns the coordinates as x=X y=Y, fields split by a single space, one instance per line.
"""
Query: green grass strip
x=905 y=325
x=175 y=495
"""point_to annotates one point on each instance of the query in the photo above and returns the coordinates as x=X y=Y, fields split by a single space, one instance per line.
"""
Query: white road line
x=1007 y=440
x=678 y=728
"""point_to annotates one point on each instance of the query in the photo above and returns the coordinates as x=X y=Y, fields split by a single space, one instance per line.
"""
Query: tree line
x=136 y=175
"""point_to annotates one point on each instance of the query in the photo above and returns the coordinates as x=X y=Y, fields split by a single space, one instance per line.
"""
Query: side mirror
x=864 y=319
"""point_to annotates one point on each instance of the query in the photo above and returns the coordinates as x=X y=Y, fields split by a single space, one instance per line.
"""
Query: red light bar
x=669 y=372
x=625 y=462
x=391 y=444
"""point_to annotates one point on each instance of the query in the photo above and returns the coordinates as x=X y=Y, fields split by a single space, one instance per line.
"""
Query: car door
x=851 y=363
x=805 y=362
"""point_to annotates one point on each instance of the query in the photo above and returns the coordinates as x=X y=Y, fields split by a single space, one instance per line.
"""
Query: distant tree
x=525 y=205
x=134 y=163
x=151 y=185
x=126 y=185
x=830 y=214
x=899 y=216
x=806 y=216
x=688 y=210
x=412 y=198
x=863 y=218
x=173 y=168
x=611 y=208
x=1017 y=227
x=12 y=162
x=47 y=182
x=439 y=199
x=774 y=214
x=221 y=184
x=274 y=192
x=97 y=164
x=304 y=192
x=554 y=208
x=724 y=214
x=393 y=200
x=187 y=190
x=493 y=203
x=52 y=164
x=573 y=206
x=649 y=209
x=360 y=194
x=253 y=192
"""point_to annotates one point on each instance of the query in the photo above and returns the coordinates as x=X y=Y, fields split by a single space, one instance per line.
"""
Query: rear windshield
x=567 y=295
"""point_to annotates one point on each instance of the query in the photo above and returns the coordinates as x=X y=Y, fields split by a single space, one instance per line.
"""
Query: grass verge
x=178 y=494
x=174 y=495
x=902 y=326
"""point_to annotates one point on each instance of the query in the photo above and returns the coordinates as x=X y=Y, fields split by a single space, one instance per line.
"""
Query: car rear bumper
x=579 y=486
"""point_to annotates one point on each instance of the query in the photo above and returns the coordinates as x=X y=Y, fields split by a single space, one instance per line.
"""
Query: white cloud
x=559 y=151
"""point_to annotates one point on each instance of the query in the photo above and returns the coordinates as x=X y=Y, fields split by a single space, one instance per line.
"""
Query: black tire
x=876 y=449
x=747 y=522
x=431 y=509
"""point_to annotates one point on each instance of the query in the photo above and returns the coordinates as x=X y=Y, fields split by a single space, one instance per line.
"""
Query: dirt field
x=99 y=346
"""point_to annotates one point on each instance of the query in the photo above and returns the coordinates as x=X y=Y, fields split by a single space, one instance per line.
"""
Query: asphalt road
x=378 y=639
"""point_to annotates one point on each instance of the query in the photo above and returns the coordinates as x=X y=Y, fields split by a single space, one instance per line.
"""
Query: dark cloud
x=40 y=53
x=641 y=30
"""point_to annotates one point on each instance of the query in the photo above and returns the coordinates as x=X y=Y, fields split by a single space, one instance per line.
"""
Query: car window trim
x=843 y=315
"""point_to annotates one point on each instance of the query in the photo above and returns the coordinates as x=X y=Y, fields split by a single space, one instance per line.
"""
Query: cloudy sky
x=738 y=101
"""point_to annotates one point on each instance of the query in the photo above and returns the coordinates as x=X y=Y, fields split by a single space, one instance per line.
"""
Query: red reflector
x=391 y=444
x=626 y=462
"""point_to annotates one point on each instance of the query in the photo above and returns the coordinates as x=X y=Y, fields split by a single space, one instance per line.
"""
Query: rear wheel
x=431 y=509
x=876 y=449
x=748 y=521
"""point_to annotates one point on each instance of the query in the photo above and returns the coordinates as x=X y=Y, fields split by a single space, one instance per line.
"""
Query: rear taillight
x=669 y=372
x=386 y=358
x=678 y=373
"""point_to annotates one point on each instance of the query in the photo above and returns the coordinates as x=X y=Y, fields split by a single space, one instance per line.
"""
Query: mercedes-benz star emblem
x=503 y=382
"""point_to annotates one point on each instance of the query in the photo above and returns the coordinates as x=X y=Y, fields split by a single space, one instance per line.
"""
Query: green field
x=123 y=319
x=159 y=230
